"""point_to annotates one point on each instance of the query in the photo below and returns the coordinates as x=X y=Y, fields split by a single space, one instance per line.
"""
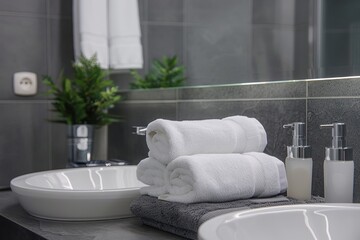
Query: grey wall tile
x=274 y=12
x=302 y=13
x=61 y=52
x=330 y=111
x=272 y=114
x=217 y=80
x=165 y=11
x=339 y=15
x=336 y=48
x=23 y=42
x=217 y=52
x=29 y=6
x=58 y=145
x=130 y=147
x=60 y=8
x=143 y=10
x=150 y=94
x=302 y=52
x=224 y=13
x=273 y=52
x=270 y=90
x=24 y=141
x=164 y=41
x=336 y=87
x=338 y=71
x=123 y=80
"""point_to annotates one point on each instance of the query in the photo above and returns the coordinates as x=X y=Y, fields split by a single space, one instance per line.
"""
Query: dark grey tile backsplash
x=20 y=6
x=273 y=104
x=35 y=36
x=322 y=111
x=24 y=144
x=165 y=11
x=339 y=88
x=125 y=145
x=164 y=41
x=251 y=91
x=22 y=40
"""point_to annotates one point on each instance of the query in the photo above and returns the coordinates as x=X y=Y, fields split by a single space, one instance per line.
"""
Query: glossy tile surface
x=21 y=35
x=325 y=111
x=259 y=91
x=164 y=41
x=165 y=11
x=60 y=8
x=223 y=49
x=23 y=140
x=337 y=88
x=21 y=6
x=61 y=51
x=124 y=144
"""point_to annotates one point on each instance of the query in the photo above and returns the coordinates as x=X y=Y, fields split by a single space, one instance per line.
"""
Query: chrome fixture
x=139 y=130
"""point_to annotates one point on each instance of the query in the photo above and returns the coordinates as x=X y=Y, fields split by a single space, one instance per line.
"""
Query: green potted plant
x=164 y=73
x=83 y=103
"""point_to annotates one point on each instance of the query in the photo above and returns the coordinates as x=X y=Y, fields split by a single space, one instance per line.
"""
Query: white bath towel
x=152 y=173
x=223 y=177
x=124 y=35
x=168 y=140
x=91 y=30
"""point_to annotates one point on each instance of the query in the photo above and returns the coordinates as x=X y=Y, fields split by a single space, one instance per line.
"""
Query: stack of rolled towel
x=213 y=160
x=205 y=168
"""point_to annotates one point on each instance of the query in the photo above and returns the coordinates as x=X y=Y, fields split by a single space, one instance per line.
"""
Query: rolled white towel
x=152 y=173
x=223 y=177
x=168 y=140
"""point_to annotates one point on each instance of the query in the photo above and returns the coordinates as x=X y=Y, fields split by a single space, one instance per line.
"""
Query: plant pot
x=80 y=143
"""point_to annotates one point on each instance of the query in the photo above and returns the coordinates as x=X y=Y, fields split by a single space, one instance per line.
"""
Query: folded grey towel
x=188 y=234
x=185 y=219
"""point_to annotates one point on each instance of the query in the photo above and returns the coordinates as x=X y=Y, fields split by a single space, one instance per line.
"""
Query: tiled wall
x=341 y=28
x=273 y=104
x=230 y=41
x=35 y=36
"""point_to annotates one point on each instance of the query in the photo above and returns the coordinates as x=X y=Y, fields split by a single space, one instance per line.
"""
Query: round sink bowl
x=78 y=194
x=295 y=222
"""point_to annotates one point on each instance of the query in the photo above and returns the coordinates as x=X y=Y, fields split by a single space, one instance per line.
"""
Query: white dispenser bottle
x=299 y=164
x=338 y=167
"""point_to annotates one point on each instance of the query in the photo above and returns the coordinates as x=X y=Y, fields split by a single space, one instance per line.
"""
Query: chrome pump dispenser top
x=338 y=167
x=338 y=150
x=298 y=164
x=299 y=149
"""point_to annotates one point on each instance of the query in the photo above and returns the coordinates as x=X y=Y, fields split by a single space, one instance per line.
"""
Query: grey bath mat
x=185 y=219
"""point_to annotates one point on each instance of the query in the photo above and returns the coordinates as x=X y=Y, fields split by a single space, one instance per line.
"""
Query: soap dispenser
x=299 y=164
x=338 y=167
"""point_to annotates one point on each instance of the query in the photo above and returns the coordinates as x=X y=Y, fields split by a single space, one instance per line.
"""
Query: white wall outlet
x=25 y=83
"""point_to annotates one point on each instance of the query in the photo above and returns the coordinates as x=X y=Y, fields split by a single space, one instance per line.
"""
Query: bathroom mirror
x=236 y=41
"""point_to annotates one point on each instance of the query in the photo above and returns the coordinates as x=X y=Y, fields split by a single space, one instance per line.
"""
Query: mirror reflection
x=236 y=41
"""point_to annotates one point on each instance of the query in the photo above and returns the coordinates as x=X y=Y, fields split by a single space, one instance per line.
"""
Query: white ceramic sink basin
x=78 y=194
x=296 y=222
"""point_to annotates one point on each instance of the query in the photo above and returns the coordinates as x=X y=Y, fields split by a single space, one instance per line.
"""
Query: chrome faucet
x=139 y=130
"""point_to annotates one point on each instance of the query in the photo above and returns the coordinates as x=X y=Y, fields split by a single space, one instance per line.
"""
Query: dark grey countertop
x=16 y=223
